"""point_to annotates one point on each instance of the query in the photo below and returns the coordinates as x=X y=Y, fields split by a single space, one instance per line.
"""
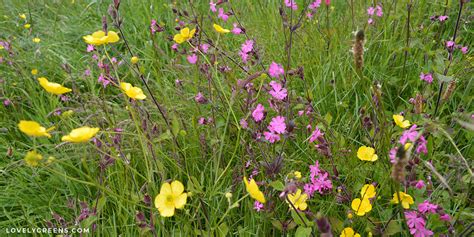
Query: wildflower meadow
x=236 y=118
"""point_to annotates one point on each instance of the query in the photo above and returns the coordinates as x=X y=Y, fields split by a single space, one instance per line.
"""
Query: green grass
x=210 y=160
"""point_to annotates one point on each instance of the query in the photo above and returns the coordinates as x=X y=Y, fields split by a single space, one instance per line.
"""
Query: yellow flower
x=349 y=232
x=51 y=159
x=33 y=129
x=184 y=35
x=27 y=26
x=252 y=189
x=32 y=158
x=399 y=121
x=134 y=60
x=367 y=153
x=407 y=200
x=297 y=174
x=22 y=16
x=99 y=38
x=368 y=191
x=82 y=134
x=361 y=207
x=36 y=40
x=34 y=71
x=171 y=197
x=298 y=200
x=407 y=145
x=1 y=47
x=220 y=30
x=132 y=91
x=52 y=87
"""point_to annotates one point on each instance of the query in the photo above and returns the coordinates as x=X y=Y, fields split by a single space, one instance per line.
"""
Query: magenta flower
x=87 y=72
x=90 y=48
x=409 y=134
x=174 y=47
x=420 y=184
x=450 y=44
x=417 y=225
x=271 y=137
x=393 y=155
x=192 y=58
x=275 y=70
x=291 y=4
x=422 y=145
x=243 y=123
x=257 y=206
x=442 y=18
x=314 y=5
x=202 y=121
x=103 y=80
x=259 y=113
x=426 y=77
x=370 y=21
x=371 y=11
x=379 y=12
x=199 y=98
x=315 y=135
x=318 y=181
x=277 y=92
x=222 y=14
x=204 y=48
x=236 y=30
x=7 y=102
x=445 y=217
x=328 y=2
x=247 y=47
x=464 y=50
x=277 y=125
x=212 y=6
x=427 y=207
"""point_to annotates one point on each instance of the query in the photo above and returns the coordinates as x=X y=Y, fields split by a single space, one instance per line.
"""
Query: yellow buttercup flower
x=297 y=174
x=99 y=38
x=33 y=129
x=171 y=197
x=27 y=26
x=368 y=191
x=82 y=134
x=36 y=40
x=407 y=145
x=367 y=153
x=32 y=158
x=407 y=200
x=184 y=35
x=399 y=121
x=298 y=200
x=134 y=60
x=220 y=29
x=349 y=232
x=22 y=16
x=253 y=190
x=361 y=207
x=132 y=91
x=52 y=87
x=34 y=71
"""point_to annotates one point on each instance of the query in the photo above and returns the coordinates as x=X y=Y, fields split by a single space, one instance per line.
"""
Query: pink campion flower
x=192 y=58
x=277 y=91
x=90 y=48
x=236 y=30
x=257 y=206
x=103 y=80
x=393 y=155
x=409 y=134
x=371 y=11
x=314 y=5
x=243 y=123
x=445 y=217
x=450 y=44
x=318 y=181
x=426 y=77
x=277 y=125
x=222 y=14
x=174 y=47
x=113 y=60
x=464 y=50
x=271 y=137
x=202 y=121
x=309 y=15
x=328 y=2
x=422 y=146
x=315 y=135
x=212 y=6
x=442 y=18
x=199 y=98
x=314 y=170
x=204 y=48
x=420 y=184
x=417 y=224
x=370 y=21
x=427 y=207
x=258 y=113
x=7 y=102
x=379 y=12
x=95 y=57
x=87 y=72
x=247 y=47
x=244 y=56
x=291 y=4
x=275 y=70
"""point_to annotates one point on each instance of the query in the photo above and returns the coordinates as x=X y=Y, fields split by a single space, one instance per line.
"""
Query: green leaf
x=328 y=118
x=392 y=228
x=443 y=78
x=298 y=219
x=277 y=185
x=175 y=125
x=303 y=231
x=222 y=230
x=277 y=224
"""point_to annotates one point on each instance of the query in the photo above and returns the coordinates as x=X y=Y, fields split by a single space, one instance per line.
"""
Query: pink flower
x=371 y=11
x=103 y=80
x=409 y=134
x=379 y=12
x=247 y=47
x=420 y=184
x=442 y=18
x=291 y=4
x=222 y=15
x=315 y=4
x=393 y=155
x=174 y=47
x=278 y=92
x=7 y=102
x=277 y=125
x=417 y=224
x=243 y=123
x=212 y=6
x=236 y=30
x=199 y=98
x=257 y=206
x=204 y=47
x=275 y=70
x=426 y=207
x=90 y=48
x=464 y=50
x=445 y=217
x=244 y=56
x=426 y=77
x=271 y=137
x=422 y=145
x=318 y=181
x=328 y=2
x=192 y=58
x=370 y=21
x=450 y=44
x=315 y=135
x=259 y=113
x=202 y=121
x=87 y=72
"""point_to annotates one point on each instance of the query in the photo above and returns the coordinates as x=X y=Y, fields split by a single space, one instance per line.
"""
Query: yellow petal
x=166 y=211
x=180 y=201
x=177 y=187
x=166 y=189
